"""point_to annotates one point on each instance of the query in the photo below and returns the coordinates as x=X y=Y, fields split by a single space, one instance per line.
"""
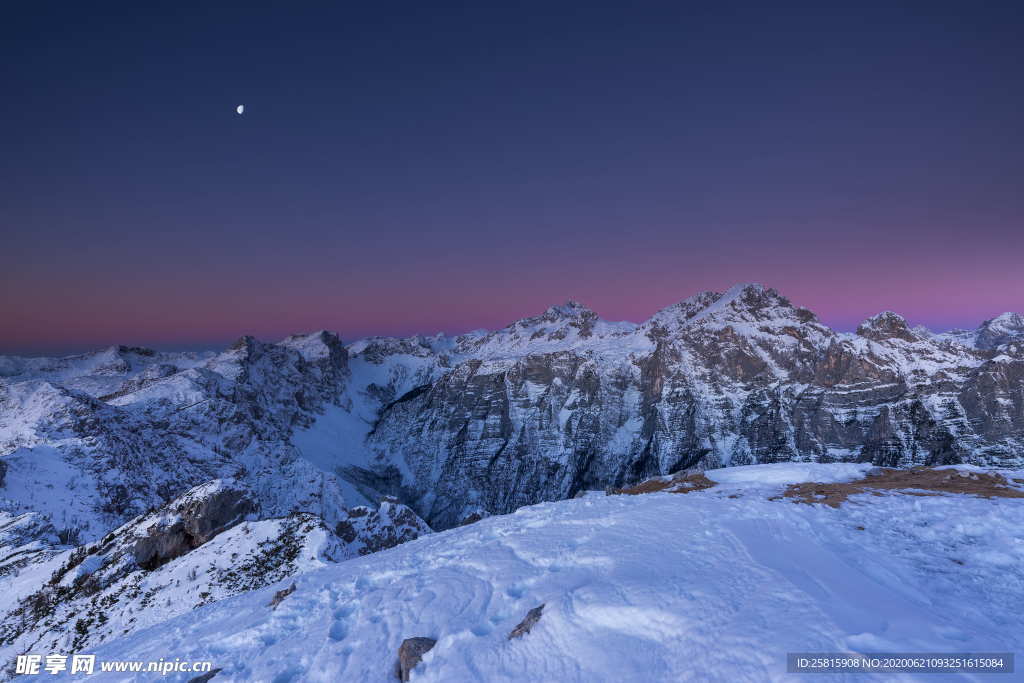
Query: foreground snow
x=711 y=585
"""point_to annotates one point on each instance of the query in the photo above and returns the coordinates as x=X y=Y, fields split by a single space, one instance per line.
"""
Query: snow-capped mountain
x=110 y=460
x=490 y=421
x=563 y=402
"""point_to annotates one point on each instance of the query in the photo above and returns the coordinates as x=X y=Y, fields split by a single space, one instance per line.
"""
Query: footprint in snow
x=482 y=630
x=338 y=631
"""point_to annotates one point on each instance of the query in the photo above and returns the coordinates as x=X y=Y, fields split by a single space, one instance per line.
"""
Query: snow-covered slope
x=212 y=542
x=103 y=372
x=714 y=585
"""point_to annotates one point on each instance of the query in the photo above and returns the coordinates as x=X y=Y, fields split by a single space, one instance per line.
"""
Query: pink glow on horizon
x=59 y=317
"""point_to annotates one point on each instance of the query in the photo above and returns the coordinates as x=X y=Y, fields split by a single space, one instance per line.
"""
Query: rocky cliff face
x=564 y=402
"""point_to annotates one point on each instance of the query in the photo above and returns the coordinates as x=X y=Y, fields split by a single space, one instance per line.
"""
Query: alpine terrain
x=156 y=502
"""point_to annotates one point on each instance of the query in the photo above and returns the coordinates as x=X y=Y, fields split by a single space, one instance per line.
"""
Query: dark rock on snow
x=280 y=595
x=528 y=622
x=409 y=655
x=194 y=521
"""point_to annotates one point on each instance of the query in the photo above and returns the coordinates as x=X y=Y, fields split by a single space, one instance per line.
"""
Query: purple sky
x=401 y=169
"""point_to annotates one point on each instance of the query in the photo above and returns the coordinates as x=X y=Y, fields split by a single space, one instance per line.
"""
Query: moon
x=240 y=108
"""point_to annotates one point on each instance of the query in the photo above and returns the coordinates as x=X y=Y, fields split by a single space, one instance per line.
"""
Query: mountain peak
x=886 y=325
x=752 y=302
x=571 y=309
x=753 y=295
x=571 y=312
x=744 y=288
x=745 y=302
x=1001 y=329
x=317 y=345
x=563 y=324
x=1008 y=320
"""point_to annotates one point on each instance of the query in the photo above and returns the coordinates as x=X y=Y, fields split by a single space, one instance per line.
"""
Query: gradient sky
x=416 y=167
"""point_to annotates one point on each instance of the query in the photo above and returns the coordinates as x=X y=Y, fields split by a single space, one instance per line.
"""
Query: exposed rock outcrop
x=528 y=622
x=371 y=530
x=280 y=595
x=204 y=546
x=192 y=521
x=410 y=653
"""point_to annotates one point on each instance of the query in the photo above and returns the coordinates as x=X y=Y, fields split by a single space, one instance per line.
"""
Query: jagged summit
x=571 y=312
x=317 y=346
x=246 y=344
x=752 y=303
x=747 y=303
x=1002 y=329
x=570 y=309
x=744 y=303
x=322 y=336
x=571 y=325
x=677 y=314
x=1006 y=320
x=886 y=325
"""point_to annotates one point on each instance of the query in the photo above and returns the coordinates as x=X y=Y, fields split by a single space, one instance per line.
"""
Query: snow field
x=658 y=587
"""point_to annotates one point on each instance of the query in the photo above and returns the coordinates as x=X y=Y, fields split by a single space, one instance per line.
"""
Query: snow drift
x=717 y=584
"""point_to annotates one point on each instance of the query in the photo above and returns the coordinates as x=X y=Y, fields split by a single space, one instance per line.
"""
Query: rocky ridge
x=486 y=422
x=206 y=545
x=560 y=403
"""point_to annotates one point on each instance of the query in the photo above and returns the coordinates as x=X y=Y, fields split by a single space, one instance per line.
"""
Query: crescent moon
x=240 y=108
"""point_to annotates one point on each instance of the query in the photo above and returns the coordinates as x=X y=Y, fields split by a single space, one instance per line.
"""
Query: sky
x=423 y=167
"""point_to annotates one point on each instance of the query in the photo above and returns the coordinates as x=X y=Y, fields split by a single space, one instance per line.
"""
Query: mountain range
x=354 y=447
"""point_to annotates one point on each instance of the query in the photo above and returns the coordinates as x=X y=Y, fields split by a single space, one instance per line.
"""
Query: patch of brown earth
x=675 y=484
x=919 y=481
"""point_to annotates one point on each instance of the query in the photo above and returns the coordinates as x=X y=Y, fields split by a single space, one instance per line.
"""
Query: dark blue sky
x=403 y=167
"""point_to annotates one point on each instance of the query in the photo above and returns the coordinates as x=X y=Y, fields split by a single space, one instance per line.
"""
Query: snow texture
x=658 y=587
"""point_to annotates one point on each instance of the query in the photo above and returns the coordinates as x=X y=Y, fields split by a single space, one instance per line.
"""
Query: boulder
x=280 y=595
x=471 y=518
x=528 y=622
x=409 y=655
